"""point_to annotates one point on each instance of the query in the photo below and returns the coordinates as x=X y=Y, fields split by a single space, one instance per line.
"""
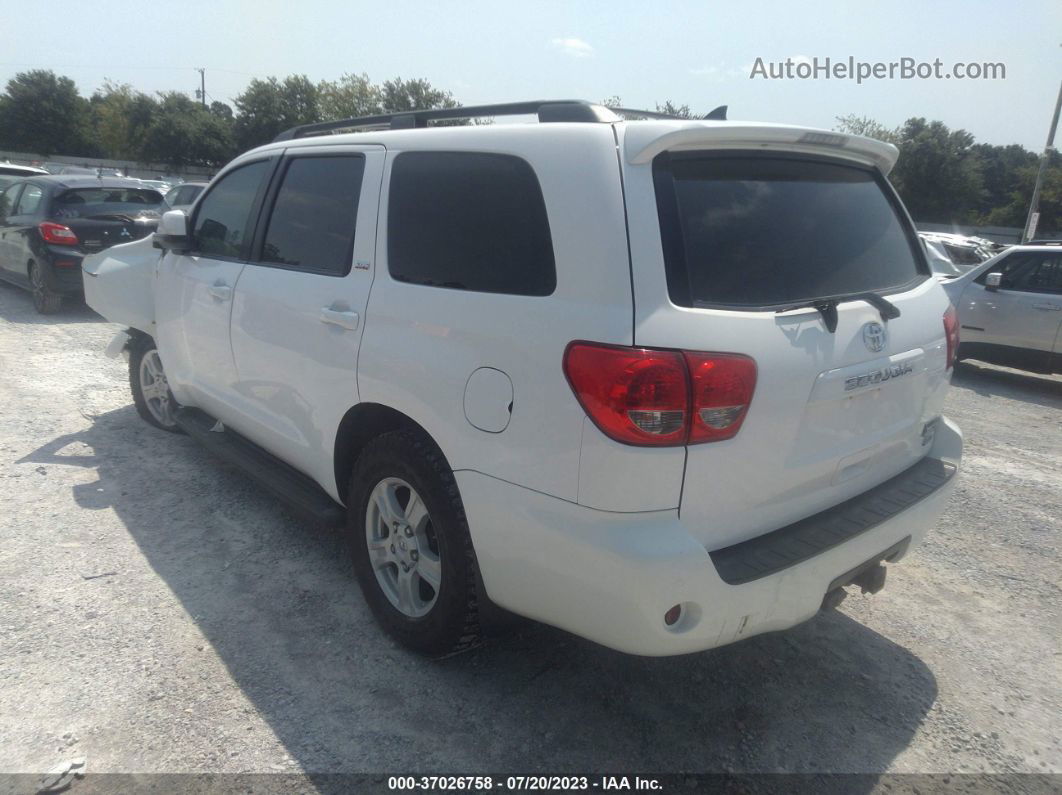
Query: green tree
x=268 y=107
x=938 y=173
x=349 y=97
x=1014 y=210
x=417 y=94
x=671 y=109
x=861 y=125
x=667 y=106
x=43 y=112
x=1006 y=171
x=184 y=133
x=121 y=117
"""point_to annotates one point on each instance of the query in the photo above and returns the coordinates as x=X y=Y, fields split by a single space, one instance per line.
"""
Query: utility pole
x=1034 y=206
x=202 y=85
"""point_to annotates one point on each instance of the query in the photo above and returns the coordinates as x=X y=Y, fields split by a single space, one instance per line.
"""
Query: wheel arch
x=360 y=425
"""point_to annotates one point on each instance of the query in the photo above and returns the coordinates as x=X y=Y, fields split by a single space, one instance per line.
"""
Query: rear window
x=754 y=232
x=469 y=221
x=87 y=202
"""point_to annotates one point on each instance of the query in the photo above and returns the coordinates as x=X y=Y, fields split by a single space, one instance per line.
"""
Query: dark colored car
x=48 y=223
x=183 y=195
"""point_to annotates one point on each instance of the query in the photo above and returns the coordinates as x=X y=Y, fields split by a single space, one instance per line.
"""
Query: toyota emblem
x=874 y=337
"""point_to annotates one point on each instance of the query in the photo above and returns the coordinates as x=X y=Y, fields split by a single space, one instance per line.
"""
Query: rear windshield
x=756 y=232
x=88 y=202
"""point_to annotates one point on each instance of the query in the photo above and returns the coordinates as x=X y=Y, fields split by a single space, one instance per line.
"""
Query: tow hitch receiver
x=872 y=580
x=870 y=576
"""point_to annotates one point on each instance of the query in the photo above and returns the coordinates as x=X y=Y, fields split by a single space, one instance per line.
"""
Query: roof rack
x=547 y=110
x=553 y=110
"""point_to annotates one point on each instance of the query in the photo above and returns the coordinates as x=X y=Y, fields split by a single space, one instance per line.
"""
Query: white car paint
x=569 y=526
x=120 y=283
x=1018 y=319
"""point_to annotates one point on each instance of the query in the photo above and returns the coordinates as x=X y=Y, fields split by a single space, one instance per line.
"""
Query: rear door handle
x=220 y=290
x=1048 y=307
x=347 y=318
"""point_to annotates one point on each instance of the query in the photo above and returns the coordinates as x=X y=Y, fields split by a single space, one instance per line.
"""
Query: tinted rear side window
x=470 y=221
x=312 y=224
x=749 y=232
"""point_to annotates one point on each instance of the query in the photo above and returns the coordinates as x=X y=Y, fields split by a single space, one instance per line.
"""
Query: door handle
x=347 y=319
x=220 y=290
x=1048 y=307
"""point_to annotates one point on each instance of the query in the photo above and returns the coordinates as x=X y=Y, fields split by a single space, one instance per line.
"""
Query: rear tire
x=412 y=552
x=151 y=392
x=45 y=300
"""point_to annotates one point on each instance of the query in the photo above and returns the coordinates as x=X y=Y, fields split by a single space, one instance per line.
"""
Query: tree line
x=943 y=175
x=43 y=112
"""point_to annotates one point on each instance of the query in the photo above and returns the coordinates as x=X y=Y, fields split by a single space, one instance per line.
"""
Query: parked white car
x=953 y=255
x=1010 y=309
x=560 y=367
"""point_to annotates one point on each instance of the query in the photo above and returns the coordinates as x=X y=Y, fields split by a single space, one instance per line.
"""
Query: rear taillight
x=651 y=397
x=57 y=234
x=951 y=333
x=634 y=395
x=722 y=386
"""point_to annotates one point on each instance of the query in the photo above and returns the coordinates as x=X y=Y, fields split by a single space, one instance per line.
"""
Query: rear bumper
x=65 y=267
x=68 y=280
x=610 y=577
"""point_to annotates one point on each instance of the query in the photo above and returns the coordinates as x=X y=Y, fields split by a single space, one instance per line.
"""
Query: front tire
x=45 y=300
x=151 y=392
x=412 y=552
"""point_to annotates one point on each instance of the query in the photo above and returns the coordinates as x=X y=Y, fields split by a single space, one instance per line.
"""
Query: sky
x=695 y=53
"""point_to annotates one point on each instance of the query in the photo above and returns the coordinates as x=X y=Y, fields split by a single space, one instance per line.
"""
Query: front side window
x=750 y=232
x=223 y=220
x=469 y=221
x=313 y=219
x=1028 y=271
x=29 y=201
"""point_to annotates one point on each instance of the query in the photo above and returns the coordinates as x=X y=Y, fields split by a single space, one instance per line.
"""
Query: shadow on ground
x=18 y=308
x=280 y=607
x=988 y=380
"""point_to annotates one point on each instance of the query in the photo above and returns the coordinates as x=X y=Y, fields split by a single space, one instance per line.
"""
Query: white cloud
x=705 y=71
x=576 y=48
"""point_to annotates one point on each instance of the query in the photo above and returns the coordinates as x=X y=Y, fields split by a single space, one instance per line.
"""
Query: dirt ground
x=160 y=614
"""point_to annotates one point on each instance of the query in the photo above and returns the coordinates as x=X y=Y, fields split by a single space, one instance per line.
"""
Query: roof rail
x=552 y=110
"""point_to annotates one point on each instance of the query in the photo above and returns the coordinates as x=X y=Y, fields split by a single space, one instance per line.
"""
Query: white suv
x=663 y=383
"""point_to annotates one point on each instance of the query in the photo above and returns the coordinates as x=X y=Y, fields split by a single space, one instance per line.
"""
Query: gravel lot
x=162 y=615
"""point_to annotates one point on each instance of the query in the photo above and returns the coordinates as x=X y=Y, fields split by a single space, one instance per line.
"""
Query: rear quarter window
x=469 y=221
x=756 y=232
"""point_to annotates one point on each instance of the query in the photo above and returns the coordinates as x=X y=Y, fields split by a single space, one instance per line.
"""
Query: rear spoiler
x=645 y=140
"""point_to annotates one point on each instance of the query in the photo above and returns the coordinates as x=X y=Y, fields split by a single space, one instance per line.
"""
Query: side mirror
x=993 y=280
x=173 y=232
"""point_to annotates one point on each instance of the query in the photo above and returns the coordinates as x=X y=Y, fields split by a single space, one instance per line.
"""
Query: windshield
x=755 y=231
x=89 y=202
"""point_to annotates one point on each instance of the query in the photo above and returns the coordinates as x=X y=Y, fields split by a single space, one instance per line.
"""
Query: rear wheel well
x=360 y=425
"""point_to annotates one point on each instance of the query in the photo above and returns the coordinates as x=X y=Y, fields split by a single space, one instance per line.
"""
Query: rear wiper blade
x=887 y=309
x=827 y=307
